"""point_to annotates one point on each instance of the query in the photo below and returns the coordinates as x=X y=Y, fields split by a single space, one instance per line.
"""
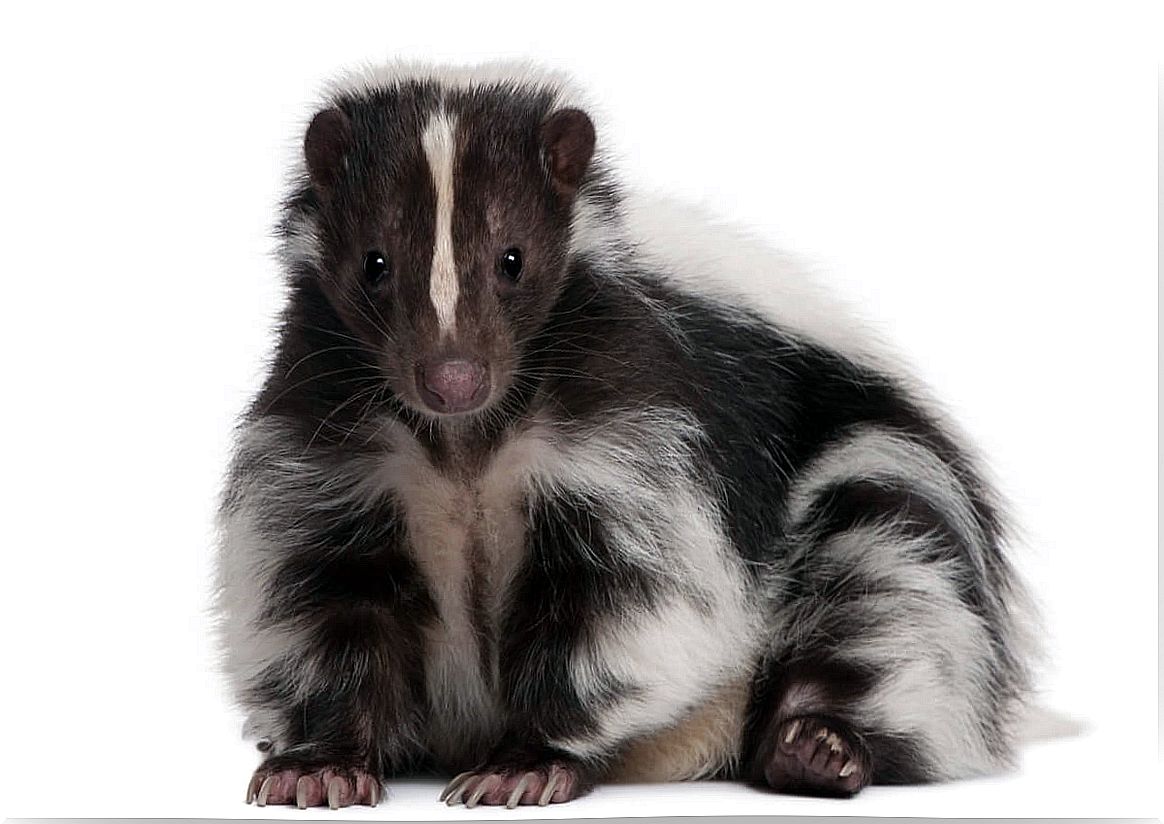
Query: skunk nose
x=452 y=385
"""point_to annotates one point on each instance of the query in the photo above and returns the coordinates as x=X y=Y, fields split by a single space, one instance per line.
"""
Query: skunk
x=538 y=490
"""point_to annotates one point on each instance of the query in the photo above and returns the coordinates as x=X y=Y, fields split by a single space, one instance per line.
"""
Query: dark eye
x=375 y=266
x=511 y=264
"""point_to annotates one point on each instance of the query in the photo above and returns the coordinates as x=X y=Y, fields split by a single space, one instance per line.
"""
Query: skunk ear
x=568 y=142
x=329 y=137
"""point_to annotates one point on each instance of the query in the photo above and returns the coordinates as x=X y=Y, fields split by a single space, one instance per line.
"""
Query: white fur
x=676 y=656
x=243 y=562
x=656 y=514
x=440 y=148
x=283 y=481
x=710 y=257
x=885 y=457
x=916 y=629
x=370 y=78
x=301 y=242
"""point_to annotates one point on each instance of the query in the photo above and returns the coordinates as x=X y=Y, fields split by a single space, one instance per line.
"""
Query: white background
x=980 y=177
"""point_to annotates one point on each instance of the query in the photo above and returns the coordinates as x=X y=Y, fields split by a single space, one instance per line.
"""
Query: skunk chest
x=466 y=533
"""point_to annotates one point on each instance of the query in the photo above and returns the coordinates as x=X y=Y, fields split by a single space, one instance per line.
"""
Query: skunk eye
x=511 y=264
x=375 y=266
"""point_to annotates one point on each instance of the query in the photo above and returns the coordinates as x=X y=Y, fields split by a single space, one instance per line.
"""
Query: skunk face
x=442 y=223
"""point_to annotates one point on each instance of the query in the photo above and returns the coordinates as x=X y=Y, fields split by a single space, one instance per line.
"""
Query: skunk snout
x=452 y=386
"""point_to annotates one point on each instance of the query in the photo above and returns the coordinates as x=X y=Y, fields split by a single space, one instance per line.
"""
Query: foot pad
x=817 y=756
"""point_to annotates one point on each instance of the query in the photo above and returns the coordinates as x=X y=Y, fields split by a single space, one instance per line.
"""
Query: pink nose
x=453 y=385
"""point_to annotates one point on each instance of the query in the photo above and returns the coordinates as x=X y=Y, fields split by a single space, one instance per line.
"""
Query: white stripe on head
x=440 y=145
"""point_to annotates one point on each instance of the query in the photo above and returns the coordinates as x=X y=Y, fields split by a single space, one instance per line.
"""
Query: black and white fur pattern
x=695 y=527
